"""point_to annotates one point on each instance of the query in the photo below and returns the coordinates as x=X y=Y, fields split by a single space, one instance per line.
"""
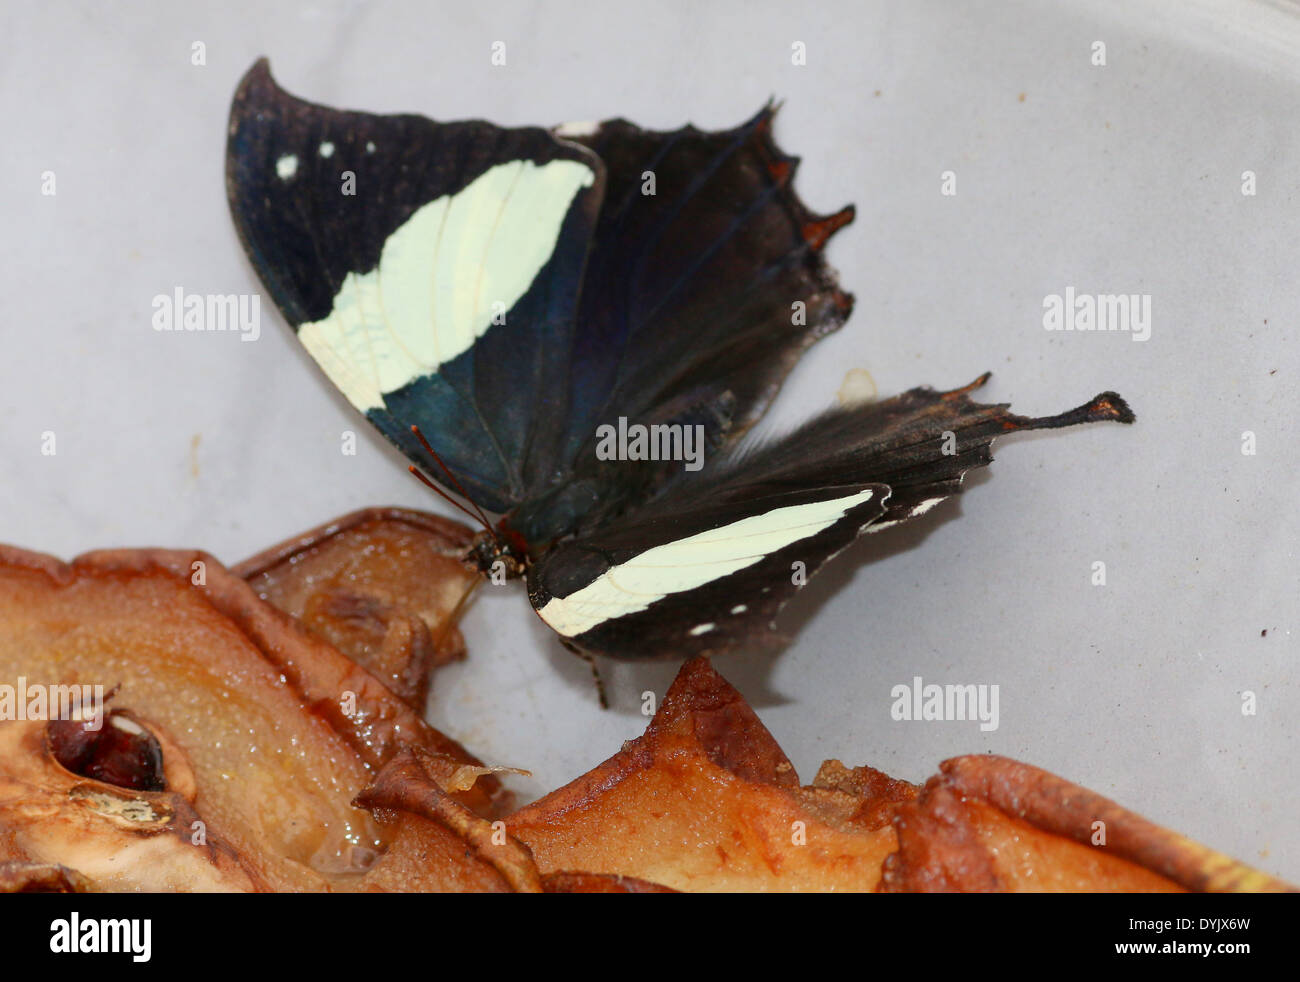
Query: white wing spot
x=919 y=509
x=370 y=147
x=287 y=166
x=584 y=128
x=924 y=506
x=739 y=609
x=702 y=629
x=327 y=149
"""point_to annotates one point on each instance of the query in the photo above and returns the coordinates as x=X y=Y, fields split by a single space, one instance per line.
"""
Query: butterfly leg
x=595 y=673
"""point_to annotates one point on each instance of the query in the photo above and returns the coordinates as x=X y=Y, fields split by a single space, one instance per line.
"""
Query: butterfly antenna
x=440 y=492
x=455 y=483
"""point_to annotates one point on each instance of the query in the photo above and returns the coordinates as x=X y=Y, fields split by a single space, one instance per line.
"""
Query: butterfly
x=573 y=328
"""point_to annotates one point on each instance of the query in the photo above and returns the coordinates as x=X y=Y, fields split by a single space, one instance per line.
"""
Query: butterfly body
x=513 y=294
x=498 y=553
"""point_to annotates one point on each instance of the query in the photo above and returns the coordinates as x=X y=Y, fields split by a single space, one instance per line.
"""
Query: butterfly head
x=498 y=554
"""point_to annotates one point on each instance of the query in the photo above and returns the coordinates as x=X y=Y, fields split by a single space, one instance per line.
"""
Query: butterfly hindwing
x=707 y=565
x=706 y=275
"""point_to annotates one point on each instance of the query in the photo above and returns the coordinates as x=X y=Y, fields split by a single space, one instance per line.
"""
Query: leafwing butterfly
x=517 y=297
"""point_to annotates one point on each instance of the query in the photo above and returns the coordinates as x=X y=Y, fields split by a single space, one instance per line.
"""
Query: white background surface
x=1125 y=178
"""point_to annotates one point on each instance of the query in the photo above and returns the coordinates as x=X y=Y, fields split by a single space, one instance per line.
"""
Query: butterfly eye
x=121 y=752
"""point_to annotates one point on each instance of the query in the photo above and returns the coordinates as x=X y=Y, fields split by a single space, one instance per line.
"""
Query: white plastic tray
x=1117 y=179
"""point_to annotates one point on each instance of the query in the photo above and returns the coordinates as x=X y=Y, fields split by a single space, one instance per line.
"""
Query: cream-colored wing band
x=443 y=276
x=692 y=562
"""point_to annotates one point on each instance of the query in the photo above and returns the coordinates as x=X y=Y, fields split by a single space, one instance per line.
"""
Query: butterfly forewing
x=431 y=269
